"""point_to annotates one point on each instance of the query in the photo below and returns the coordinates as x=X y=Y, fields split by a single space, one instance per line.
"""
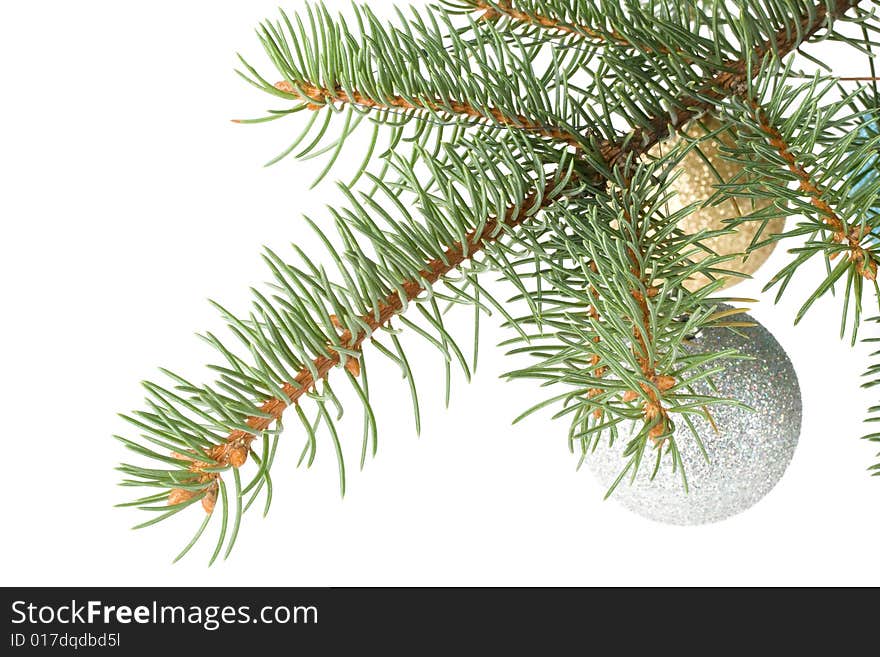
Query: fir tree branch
x=294 y=321
x=317 y=98
x=421 y=72
x=864 y=265
x=805 y=150
x=233 y=451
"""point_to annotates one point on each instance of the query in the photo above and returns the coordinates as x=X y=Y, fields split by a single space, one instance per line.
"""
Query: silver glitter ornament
x=748 y=453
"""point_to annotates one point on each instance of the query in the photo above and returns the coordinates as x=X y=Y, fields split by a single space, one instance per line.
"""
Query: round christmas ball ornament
x=747 y=451
x=700 y=172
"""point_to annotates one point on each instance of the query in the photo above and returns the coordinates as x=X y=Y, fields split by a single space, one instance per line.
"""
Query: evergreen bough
x=515 y=139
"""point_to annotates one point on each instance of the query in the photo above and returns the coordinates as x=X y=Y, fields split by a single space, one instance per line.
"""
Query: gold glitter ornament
x=696 y=183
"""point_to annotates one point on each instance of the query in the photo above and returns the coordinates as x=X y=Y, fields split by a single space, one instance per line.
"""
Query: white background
x=128 y=197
